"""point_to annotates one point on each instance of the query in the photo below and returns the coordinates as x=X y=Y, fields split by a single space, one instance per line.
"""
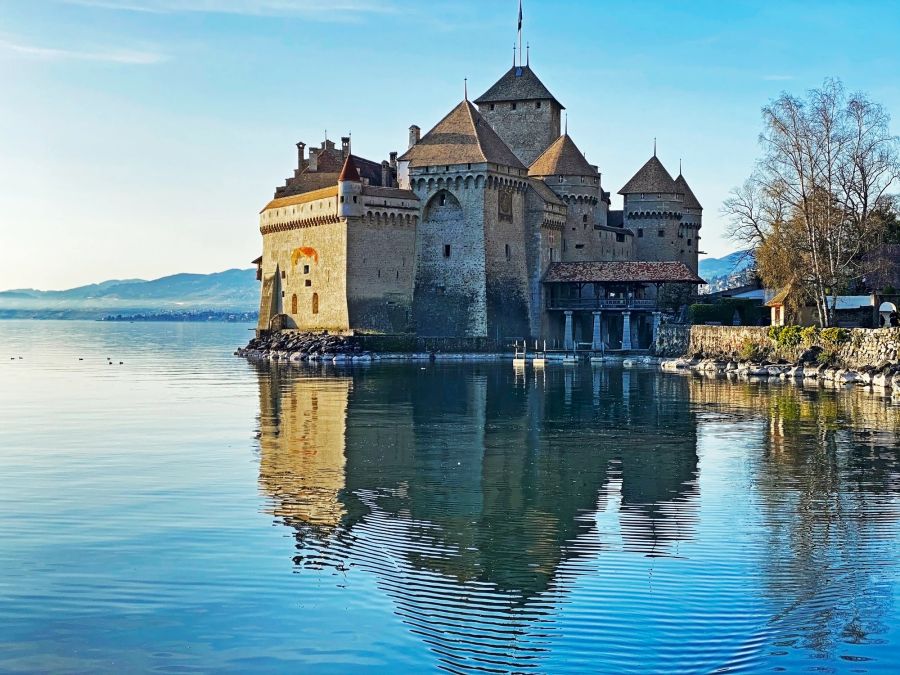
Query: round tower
x=350 y=189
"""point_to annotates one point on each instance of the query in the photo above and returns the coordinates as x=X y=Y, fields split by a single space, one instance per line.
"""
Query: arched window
x=294 y=303
x=315 y=303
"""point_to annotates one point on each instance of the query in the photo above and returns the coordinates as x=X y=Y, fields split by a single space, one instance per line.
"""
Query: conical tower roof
x=519 y=83
x=462 y=137
x=690 y=200
x=562 y=158
x=349 y=172
x=652 y=177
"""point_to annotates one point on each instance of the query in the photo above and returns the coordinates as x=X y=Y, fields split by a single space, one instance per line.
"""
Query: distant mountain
x=726 y=265
x=234 y=290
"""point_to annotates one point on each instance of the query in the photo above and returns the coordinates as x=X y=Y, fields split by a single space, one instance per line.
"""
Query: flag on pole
x=520 y=15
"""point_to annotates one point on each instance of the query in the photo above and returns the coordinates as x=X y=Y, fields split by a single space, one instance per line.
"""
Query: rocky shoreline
x=299 y=347
x=886 y=377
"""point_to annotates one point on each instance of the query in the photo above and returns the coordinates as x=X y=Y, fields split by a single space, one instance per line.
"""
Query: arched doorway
x=315 y=303
x=294 y=304
x=887 y=315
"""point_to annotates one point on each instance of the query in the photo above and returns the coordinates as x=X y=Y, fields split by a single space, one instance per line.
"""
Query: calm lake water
x=188 y=511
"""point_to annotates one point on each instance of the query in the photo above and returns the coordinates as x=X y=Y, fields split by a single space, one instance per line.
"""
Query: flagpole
x=520 y=32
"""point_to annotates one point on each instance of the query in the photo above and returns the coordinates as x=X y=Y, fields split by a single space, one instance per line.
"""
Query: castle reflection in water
x=472 y=494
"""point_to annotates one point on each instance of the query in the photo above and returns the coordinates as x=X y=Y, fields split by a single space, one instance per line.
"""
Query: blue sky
x=141 y=137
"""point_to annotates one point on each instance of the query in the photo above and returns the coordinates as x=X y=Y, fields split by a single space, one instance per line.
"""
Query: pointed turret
x=463 y=136
x=519 y=83
x=690 y=200
x=349 y=172
x=652 y=177
x=562 y=158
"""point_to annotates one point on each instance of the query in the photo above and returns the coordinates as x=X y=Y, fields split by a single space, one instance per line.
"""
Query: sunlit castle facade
x=493 y=224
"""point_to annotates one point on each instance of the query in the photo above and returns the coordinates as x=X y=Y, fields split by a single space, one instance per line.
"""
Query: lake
x=185 y=510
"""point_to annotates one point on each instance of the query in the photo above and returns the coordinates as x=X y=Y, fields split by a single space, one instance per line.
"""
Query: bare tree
x=828 y=162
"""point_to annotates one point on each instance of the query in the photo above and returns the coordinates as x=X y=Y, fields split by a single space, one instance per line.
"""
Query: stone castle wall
x=380 y=272
x=450 y=294
x=526 y=129
x=320 y=270
x=864 y=347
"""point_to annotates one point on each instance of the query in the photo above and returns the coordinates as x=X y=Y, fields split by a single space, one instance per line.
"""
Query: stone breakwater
x=297 y=347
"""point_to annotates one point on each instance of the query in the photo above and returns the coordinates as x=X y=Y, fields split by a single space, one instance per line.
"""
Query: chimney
x=414 y=132
x=394 y=160
x=313 y=159
x=386 y=174
x=345 y=147
x=301 y=151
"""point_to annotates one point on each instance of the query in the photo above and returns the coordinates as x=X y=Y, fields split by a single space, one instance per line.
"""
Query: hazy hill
x=726 y=265
x=232 y=290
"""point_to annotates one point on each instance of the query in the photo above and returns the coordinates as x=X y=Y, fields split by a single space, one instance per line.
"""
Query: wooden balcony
x=594 y=304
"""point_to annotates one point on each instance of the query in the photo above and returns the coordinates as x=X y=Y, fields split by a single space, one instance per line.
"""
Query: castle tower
x=471 y=272
x=654 y=211
x=691 y=222
x=523 y=112
x=350 y=190
x=565 y=170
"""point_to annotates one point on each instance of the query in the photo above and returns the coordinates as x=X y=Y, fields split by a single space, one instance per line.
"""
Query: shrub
x=809 y=335
x=827 y=357
x=785 y=336
x=833 y=337
x=750 y=351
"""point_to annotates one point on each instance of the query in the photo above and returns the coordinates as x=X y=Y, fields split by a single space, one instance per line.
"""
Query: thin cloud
x=321 y=9
x=104 y=55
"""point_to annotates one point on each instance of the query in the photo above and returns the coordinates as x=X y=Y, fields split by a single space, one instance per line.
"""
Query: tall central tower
x=523 y=112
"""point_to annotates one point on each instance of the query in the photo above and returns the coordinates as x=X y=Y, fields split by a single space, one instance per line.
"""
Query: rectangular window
x=689 y=242
x=446 y=250
x=660 y=233
x=513 y=106
x=306 y=269
x=507 y=252
x=307 y=283
x=579 y=246
x=283 y=275
x=620 y=237
x=640 y=231
x=537 y=105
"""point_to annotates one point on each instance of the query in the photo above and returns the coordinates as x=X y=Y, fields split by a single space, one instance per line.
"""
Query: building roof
x=519 y=83
x=611 y=272
x=302 y=198
x=561 y=158
x=462 y=137
x=544 y=192
x=652 y=177
x=348 y=171
x=690 y=200
x=388 y=192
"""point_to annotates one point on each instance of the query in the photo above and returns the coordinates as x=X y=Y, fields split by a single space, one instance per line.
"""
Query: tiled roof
x=388 y=192
x=349 y=172
x=462 y=137
x=690 y=200
x=303 y=198
x=562 y=158
x=518 y=84
x=652 y=177
x=610 y=272
x=544 y=191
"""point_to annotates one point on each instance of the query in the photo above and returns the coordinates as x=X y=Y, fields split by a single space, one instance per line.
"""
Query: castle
x=493 y=224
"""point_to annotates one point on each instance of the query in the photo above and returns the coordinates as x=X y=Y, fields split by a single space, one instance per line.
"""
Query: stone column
x=568 y=338
x=657 y=320
x=597 y=341
x=626 y=330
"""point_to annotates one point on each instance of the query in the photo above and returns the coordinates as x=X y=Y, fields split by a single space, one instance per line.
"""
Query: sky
x=140 y=138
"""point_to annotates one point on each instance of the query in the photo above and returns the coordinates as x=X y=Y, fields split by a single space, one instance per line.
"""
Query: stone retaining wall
x=864 y=347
